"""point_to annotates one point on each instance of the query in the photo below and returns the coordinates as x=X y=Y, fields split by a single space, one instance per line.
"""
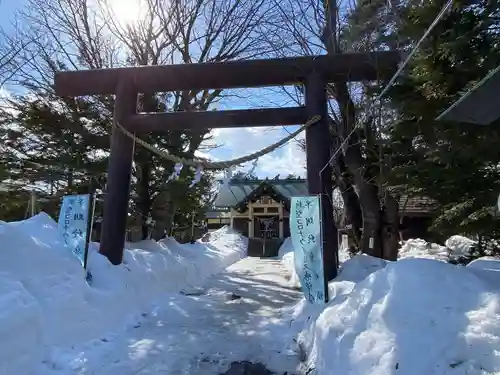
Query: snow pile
x=460 y=246
x=456 y=248
x=360 y=267
x=419 y=315
x=411 y=317
x=46 y=302
x=286 y=255
x=485 y=263
x=418 y=248
x=357 y=269
x=285 y=248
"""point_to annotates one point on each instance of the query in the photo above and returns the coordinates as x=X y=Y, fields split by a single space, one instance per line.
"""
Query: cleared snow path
x=235 y=318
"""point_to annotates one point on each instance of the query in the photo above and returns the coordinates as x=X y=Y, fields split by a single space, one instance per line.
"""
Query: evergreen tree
x=455 y=164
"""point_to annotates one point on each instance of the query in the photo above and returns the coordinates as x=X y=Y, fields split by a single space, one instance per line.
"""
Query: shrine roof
x=237 y=191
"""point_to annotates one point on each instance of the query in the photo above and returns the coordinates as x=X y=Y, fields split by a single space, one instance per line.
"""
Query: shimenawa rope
x=207 y=164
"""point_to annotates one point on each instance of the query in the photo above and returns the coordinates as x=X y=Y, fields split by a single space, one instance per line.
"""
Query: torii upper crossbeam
x=314 y=72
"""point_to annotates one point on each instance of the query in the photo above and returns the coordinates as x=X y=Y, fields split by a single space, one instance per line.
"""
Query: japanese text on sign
x=305 y=229
x=73 y=224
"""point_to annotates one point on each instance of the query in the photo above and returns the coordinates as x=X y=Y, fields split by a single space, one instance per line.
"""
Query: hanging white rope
x=208 y=164
x=176 y=173
x=228 y=175
x=197 y=176
x=254 y=167
x=268 y=224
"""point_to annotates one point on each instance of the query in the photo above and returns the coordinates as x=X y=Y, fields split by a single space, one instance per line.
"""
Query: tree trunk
x=352 y=206
x=390 y=231
x=144 y=197
x=354 y=216
x=149 y=104
x=371 y=243
x=164 y=209
x=70 y=181
x=367 y=191
x=357 y=165
x=163 y=205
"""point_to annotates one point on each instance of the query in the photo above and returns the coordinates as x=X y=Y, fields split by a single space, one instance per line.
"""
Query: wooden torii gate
x=314 y=72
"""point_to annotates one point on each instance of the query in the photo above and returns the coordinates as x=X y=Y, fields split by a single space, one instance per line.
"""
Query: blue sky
x=7 y=8
x=241 y=141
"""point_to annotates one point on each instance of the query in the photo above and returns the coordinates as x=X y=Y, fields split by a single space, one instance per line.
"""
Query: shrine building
x=256 y=208
x=260 y=209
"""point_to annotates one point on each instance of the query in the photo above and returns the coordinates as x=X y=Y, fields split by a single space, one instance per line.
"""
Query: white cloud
x=204 y=155
x=291 y=160
x=244 y=141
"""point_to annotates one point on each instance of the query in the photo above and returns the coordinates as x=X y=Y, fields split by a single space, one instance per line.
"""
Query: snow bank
x=485 y=263
x=418 y=248
x=285 y=253
x=411 y=317
x=285 y=248
x=460 y=246
x=353 y=271
x=419 y=315
x=359 y=268
x=46 y=302
x=456 y=247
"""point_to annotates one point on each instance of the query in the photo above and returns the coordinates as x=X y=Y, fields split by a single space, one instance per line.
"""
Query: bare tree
x=82 y=34
x=10 y=47
x=310 y=27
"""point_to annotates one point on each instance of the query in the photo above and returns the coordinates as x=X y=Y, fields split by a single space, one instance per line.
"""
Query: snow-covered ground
x=46 y=303
x=176 y=309
x=236 y=317
x=456 y=247
x=419 y=315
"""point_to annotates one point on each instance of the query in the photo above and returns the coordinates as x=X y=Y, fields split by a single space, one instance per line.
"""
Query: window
x=258 y=210
x=273 y=210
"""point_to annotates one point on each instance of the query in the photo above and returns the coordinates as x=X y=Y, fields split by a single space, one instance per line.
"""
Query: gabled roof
x=479 y=105
x=237 y=191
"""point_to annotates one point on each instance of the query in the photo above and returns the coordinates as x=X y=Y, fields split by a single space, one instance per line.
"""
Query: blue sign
x=305 y=229
x=75 y=222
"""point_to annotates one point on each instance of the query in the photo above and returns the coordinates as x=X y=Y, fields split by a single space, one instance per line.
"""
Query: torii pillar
x=319 y=171
x=114 y=223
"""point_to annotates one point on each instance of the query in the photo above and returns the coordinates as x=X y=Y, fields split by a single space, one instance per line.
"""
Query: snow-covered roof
x=236 y=191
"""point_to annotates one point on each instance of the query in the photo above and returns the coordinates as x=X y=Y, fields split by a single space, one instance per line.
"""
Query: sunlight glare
x=127 y=12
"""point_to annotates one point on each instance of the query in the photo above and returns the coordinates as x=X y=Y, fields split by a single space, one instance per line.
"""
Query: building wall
x=416 y=227
x=217 y=223
x=240 y=224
